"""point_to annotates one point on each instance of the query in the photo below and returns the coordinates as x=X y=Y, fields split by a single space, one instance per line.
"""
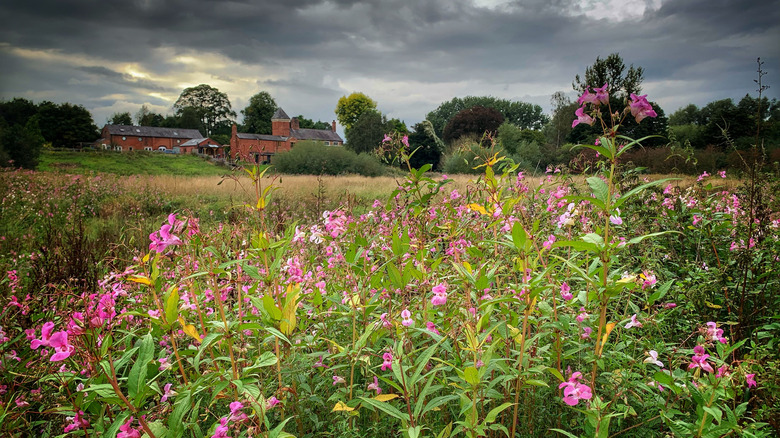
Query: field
x=135 y=163
x=418 y=306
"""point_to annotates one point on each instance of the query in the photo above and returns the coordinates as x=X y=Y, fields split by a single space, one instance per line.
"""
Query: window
x=140 y=139
x=148 y=148
x=124 y=138
x=130 y=149
x=327 y=143
x=118 y=148
x=178 y=141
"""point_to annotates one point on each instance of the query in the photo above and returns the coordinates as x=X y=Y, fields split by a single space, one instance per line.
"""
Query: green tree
x=367 y=132
x=611 y=70
x=305 y=123
x=17 y=111
x=522 y=114
x=211 y=105
x=427 y=145
x=583 y=133
x=477 y=120
x=257 y=114
x=145 y=117
x=66 y=125
x=188 y=118
x=21 y=145
x=687 y=115
x=350 y=108
x=559 y=127
x=120 y=119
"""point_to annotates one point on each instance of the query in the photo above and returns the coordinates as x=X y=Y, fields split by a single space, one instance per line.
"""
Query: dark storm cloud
x=705 y=47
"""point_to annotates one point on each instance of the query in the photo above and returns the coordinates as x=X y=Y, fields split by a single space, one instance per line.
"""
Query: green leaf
x=172 y=306
x=414 y=432
x=563 y=432
x=556 y=373
x=270 y=306
x=519 y=236
x=112 y=431
x=599 y=187
x=277 y=431
x=386 y=408
x=658 y=294
x=395 y=276
x=471 y=376
x=278 y=334
x=491 y=416
x=136 y=381
x=663 y=378
x=266 y=359
x=181 y=407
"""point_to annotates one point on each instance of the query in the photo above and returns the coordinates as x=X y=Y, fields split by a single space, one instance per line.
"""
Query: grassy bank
x=132 y=163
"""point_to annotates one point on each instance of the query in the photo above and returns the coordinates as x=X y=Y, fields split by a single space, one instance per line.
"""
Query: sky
x=410 y=56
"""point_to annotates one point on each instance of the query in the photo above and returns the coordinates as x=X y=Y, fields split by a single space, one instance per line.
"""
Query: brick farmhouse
x=126 y=138
x=285 y=132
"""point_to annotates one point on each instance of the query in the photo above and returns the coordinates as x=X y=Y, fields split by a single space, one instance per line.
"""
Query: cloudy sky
x=410 y=56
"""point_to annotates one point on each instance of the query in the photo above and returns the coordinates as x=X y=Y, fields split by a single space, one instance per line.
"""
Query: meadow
x=424 y=305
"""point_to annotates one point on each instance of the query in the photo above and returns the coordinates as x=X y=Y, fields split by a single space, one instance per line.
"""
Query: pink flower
x=549 y=242
x=586 y=331
x=407 y=318
x=653 y=359
x=375 y=386
x=439 y=295
x=722 y=173
x=319 y=363
x=271 y=402
x=601 y=94
x=338 y=380
x=633 y=322
x=582 y=117
x=714 y=333
x=616 y=219
x=388 y=361
x=640 y=107
x=587 y=98
x=222 y=430
x=126 y=430
x=574 y=391
x=566 y=291
x=405 y=140
x=582 y=315
x=751 y=382
x=77 y=422
x=387 y=139
x=696 y=219
x=45 y=336
x=432 y=327
x=166 y=393
x=699 y=360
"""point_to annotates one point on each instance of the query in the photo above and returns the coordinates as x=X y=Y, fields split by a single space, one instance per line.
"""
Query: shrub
x=314 y=158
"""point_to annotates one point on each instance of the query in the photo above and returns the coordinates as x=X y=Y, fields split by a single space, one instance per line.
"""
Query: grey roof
x=152 y=131
x=280 y=115
x=261 y=137
x=198 y=141
x=315 y=134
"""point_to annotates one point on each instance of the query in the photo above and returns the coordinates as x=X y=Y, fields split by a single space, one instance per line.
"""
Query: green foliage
x=427 y=145
x=120 y=119
x=368 y=131
x=478 y=120
x=611 y=70
x=65 y=125
x=210 y=105
x=305 y=123
x=522 y=114
x=20 y=146
x=463 y=158
x=350 y=108
x=314 y=158
x=258 y=113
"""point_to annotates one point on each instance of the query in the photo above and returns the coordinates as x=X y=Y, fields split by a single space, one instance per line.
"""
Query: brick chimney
x=334 y=126
x=294 y=123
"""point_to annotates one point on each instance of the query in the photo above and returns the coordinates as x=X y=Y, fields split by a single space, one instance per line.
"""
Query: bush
x=314 y=158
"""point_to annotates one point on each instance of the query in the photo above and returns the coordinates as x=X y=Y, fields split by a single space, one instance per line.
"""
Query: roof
x=152 y=131
x=199 y=141
x=261 y=137
x=280 y=115
x=315 y=134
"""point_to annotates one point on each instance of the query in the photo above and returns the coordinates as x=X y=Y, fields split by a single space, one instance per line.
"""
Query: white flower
x=653 y=358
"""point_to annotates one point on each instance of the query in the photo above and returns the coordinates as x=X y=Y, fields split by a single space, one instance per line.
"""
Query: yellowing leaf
x=355 y=301
x=189 y=330
x=341 y=406
x=713 y=306
x=607 y=331
x=146 y=258
x=261 y=203
x=385 y=397
x=287 y=324
x=478 y=208
x=140 y=279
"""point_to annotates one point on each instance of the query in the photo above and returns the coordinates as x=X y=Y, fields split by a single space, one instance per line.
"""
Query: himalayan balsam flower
x=601 y=94
x=714 y=333
x=633 y=322
x=431 y=327
x=586 y=331
x=271 y=402
x=566 y=291
x=549 y=242
x=574 y=391
x=751 y=382
x=699 y=360
x=653 y=359
x=167 y=393
x=407 y=318
x=387 y=363
x=616 y=219
x=439 y=295
x=640 y=107
x=582 y=117
x=375 y=386
x=338 y=380
x=126 y=430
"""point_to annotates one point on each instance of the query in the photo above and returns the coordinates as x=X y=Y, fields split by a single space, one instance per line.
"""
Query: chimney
x=234 y=132
x=334 y=126
x=294 y=123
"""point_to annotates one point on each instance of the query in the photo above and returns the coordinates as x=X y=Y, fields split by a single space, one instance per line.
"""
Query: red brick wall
x=281 y=129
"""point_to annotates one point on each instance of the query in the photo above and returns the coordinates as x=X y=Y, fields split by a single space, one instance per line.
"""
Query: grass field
x=133 y=163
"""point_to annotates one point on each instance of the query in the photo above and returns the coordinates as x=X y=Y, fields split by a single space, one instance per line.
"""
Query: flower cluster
x=574 y=391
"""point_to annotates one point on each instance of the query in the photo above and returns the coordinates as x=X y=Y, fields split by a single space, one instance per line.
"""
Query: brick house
x=285 y=132
x=205 y=146
x=126 y=138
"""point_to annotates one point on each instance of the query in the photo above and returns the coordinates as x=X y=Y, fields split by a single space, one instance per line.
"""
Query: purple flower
x=271 y=402
x=588 y=97
x=407 y=318
x=439 y=295
x=375 y=386
x=566 y=291
x=640 y=107
x=338 y=380
x=167 y=393
x=126 y=430
x=601 y=94
x=582 y=117
x=432 y=327
x=388 y=361
x=699 y=360
x=751 y=382
x=574 y=391
x=633 y=322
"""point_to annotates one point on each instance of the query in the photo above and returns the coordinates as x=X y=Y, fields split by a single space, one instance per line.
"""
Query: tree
x=187 y=118
x=145 y=117
x=367 y=132
x=21 y=145
x=522 y=114
x=427 y=145
x=258 y=113
x=611 y=70
x=121 y=119
x=688 y=115
x=350 y=108
x=559 y=127
x=17 y=111
x=478 y=120
x=211 y=105
x=66 y=125
x=305 y=123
